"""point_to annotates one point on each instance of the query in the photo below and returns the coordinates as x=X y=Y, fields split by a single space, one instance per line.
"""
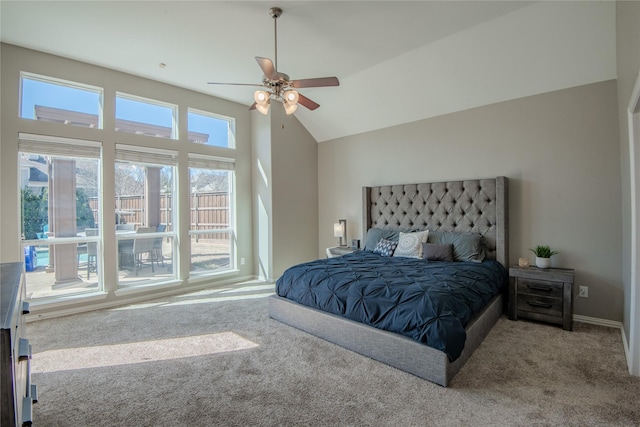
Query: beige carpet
x=215 y=358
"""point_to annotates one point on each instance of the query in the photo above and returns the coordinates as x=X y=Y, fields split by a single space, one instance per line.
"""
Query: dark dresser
x=18 y=394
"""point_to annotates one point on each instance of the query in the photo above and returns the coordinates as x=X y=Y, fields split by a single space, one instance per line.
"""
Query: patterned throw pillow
x=410 y=244
x=385 y=247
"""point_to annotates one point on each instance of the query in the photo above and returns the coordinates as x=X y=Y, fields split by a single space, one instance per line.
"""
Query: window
x=211 y=129
x=145 y=117
x=211 y=225
x=53 y=100
x=145 y=197
x=59 y=200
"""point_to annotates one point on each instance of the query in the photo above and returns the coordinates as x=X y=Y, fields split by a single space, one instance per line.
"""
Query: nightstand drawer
x=540 y=304
x=540 y=287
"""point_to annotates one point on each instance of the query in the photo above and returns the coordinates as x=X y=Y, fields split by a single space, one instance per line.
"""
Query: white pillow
x=410 y=244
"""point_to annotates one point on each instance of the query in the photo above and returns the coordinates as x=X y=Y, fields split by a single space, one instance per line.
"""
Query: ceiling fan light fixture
x=261 y=97
x=279 y=86
x=263 y=108
x=289 y=108
x=291 y=97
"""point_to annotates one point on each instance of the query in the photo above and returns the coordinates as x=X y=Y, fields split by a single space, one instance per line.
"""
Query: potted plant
x=543 y=255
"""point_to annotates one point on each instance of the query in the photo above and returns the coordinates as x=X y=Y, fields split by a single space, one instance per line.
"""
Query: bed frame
x=478 y=206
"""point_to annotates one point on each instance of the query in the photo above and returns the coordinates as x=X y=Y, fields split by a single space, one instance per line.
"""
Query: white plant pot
x=543 y=262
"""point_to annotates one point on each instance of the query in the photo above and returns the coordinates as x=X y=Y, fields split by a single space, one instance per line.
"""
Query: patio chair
x=92 y=252
x=157 y=245
x=142 y=247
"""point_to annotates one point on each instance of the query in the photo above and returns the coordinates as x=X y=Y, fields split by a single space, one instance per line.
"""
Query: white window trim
x=65 y=83
x=230 y=120
x=174 y=108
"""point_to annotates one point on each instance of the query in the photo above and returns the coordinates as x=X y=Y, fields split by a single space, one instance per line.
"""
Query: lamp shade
x=337 y=230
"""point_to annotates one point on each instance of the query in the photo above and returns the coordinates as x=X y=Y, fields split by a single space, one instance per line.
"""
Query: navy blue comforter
x=430 y=302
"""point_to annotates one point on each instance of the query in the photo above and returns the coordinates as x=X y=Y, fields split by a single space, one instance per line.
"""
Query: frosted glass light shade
x=291 y=96
x=264 y=109
x=289 y=108
x=261 y=97
x=337 y=230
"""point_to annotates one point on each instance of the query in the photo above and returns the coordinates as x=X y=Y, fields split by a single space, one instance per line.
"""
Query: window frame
x=231 y=138
x=175 y=131
x=146 y=156
x=64 y=83
x=215 y=163
x=73 y=149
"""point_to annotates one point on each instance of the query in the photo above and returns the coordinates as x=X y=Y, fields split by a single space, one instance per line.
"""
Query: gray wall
x=560 y=151
x=628 y=59
x=294 y=171
x=285 y=185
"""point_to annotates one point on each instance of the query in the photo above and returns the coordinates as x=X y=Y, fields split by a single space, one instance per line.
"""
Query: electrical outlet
x=583 y=291
x=241 y=261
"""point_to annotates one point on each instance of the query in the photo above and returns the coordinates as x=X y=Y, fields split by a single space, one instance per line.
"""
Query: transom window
x=60 y=101
x=143 y=116
x=211 y=129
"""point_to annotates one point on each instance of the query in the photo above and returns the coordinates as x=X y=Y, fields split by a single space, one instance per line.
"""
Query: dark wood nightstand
x=544 y=294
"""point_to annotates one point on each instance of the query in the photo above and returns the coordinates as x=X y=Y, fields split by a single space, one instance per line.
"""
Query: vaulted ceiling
x=397 y=61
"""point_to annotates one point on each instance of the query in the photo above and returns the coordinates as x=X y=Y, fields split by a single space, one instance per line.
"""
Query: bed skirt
x=389 y=348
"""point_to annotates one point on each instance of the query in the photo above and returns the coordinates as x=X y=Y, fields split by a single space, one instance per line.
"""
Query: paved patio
x=206 y=255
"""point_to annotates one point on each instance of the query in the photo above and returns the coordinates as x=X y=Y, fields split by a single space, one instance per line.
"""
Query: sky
x=35 y=92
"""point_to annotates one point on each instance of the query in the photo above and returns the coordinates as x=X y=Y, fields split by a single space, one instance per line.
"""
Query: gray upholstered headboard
x=474 y=206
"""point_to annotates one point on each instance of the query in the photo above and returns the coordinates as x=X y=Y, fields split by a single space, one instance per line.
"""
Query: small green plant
x=543 y=251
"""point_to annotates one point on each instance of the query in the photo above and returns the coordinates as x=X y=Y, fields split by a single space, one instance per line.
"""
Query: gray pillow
x=436 y=252
x=466 y=246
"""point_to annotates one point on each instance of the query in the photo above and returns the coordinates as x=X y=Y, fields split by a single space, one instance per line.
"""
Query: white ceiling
x=397 y=61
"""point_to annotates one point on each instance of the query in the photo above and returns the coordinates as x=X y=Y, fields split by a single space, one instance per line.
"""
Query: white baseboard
x=608 y=324
x=597 y=321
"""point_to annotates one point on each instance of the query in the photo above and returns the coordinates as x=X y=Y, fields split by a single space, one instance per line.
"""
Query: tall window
x=144 y=216
x=211 y=129
x=146 y=116
x=59 y=101
x=60 y=199
x=211 y=227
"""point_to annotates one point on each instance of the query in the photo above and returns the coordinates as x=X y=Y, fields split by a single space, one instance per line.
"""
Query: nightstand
x=339 y=251
x=544 y=294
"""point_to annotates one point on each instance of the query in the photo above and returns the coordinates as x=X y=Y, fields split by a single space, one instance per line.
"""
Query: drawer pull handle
x=539 y=288
x=34 y=393
x=539 y=304
x=24 y=350
x=27 y=411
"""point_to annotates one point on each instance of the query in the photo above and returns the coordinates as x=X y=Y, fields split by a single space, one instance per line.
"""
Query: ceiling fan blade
x=253 y=106
x=267 y=68
x=317 y=82
x=235 y=84
x=303 y=100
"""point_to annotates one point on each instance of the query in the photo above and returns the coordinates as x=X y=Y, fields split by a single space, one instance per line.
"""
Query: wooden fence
x=208 y=211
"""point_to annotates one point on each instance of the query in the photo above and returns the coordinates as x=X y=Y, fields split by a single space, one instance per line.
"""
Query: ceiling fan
x=279 y=86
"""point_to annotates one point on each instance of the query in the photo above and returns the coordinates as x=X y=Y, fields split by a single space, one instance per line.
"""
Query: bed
x=453 y=208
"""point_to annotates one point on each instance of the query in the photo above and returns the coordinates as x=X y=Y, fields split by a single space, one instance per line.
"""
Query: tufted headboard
x=474 y=206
